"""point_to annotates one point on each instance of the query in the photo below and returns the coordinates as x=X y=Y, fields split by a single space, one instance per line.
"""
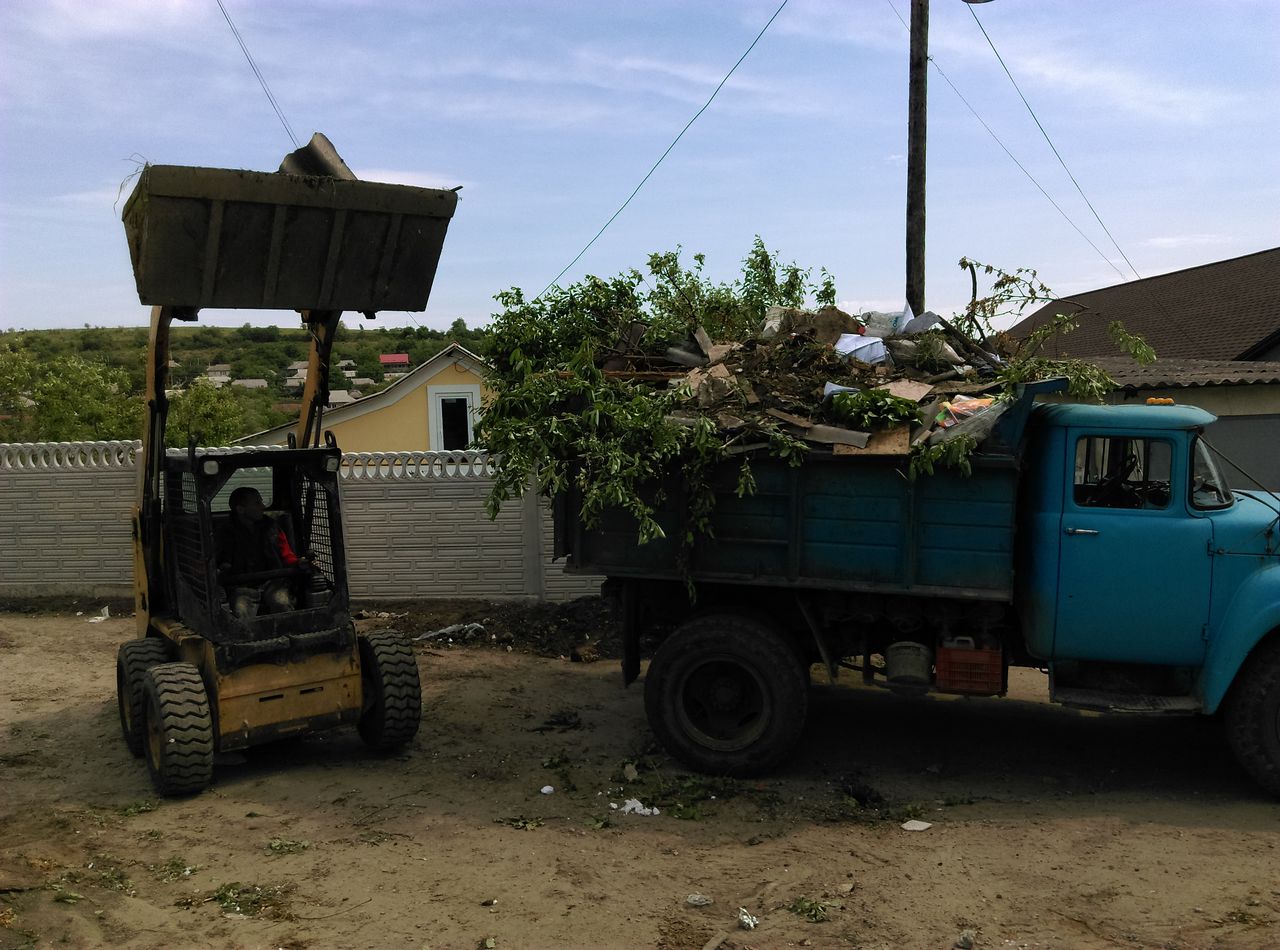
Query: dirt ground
x=1050 y=828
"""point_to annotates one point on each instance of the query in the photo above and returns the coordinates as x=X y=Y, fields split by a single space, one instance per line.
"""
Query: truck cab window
x=1116 y=472
x=1208 y=487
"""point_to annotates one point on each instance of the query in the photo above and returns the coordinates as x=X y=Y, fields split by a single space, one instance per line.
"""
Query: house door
x=455 y=423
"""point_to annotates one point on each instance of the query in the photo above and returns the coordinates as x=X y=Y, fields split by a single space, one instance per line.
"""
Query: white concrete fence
x=414 y=521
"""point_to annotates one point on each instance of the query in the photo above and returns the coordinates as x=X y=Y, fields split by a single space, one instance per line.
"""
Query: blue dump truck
x=1099 y=543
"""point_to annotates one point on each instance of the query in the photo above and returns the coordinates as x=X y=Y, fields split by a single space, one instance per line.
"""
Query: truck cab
x=1140 y=571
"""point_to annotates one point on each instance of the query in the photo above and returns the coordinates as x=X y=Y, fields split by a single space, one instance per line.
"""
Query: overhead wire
x=1022 y=168
x=1053 y=148
x=262 y=81
x=662 y=157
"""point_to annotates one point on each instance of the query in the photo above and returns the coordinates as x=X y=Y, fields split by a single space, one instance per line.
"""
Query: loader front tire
x=727 y=695
x=392 y=705
x=179 y=729
x=1253 y=715
x=133 y=660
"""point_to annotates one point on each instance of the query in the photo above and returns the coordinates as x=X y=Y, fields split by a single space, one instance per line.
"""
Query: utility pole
x=917 y=122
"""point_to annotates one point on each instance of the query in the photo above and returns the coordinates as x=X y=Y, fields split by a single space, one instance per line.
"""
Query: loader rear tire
x=727 y=695
x=133 y=660
x=179 y=729
x=391 y=709
x=1253 y=716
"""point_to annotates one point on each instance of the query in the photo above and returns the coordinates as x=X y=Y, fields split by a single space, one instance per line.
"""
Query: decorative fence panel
x=415 y=526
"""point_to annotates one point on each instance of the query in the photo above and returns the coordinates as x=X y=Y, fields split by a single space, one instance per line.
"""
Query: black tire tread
x=176 y=694
x=1251 y=715
x=774 y=655
x=133 y=660
x=393 y=707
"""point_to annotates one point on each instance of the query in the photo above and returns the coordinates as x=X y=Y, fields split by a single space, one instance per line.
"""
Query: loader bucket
x=223 y=238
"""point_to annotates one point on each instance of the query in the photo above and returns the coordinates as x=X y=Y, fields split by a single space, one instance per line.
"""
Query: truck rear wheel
x=133 y=660
x=392 y=705
x=179 y=729
x=727 y=695
x=1253 y=716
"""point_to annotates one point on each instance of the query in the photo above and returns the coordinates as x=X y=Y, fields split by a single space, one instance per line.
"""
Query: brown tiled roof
x=1228 y=310
x=1185 y=373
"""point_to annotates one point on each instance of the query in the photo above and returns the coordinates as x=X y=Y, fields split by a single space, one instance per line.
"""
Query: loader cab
x=300 y=491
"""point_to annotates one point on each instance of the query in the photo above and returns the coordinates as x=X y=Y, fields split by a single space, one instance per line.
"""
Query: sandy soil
x=1049 y=828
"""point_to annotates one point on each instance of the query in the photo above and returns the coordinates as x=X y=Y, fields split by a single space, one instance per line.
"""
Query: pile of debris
x=871 y=384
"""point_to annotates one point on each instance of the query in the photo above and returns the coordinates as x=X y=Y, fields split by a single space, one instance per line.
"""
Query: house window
x=453 y=413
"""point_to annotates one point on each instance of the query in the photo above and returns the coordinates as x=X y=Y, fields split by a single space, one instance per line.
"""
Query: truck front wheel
x=1253 y=716
x=727 y=695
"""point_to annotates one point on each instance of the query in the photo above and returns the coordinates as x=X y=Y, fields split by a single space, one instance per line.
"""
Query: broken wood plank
x=907 y=389
x=787 y=417
x=703 y=340
x=719 y=351
x=890 y=442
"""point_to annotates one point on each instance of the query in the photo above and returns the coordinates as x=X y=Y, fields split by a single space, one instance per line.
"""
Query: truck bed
x=834 y=522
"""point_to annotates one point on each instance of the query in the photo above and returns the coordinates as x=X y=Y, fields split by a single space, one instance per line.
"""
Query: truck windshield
x=1208 y=487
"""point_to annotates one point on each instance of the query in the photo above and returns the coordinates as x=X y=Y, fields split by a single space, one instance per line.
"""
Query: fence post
x=535 y=582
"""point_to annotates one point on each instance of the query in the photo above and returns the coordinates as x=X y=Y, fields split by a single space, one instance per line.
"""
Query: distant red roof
x=394 y=359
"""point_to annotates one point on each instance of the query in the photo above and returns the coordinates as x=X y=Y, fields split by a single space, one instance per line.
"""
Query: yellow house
x=432 y=409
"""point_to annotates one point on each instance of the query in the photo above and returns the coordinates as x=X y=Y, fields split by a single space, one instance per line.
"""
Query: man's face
x=251 y=510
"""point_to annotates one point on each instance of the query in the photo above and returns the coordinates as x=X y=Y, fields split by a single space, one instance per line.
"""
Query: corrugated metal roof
x=1183 y=373
x=1226 y=310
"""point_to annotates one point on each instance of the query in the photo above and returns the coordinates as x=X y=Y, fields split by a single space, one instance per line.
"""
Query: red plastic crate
x=969 y=670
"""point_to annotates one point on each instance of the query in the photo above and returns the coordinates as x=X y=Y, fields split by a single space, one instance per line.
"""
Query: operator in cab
x=250 y=544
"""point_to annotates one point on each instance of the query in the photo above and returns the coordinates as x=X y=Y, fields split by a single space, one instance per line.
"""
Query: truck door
x=1134 y=567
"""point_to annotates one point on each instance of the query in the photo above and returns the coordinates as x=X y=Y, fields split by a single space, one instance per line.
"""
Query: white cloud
x=1155 y=97
x=1045 y=61
x=71 y=21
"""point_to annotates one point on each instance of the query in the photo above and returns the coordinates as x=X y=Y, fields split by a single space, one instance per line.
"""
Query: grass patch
x=287 y=846
x=174 y=869
x=106 y=873
x=62 y=895
x=685 y=796
x=559 y=763
x=255 y=900
x=139 y=807
x=520 y=822
x=809 y=909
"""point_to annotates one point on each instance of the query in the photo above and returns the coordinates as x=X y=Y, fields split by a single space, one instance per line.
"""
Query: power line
x=1053 y=147
x=261 y=79
x=674 y=141
x=933 y=62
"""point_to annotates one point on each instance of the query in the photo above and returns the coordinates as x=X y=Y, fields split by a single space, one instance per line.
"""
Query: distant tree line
x=88 y=383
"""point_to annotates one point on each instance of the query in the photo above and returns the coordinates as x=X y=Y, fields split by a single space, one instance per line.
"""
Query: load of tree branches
x=607 y=386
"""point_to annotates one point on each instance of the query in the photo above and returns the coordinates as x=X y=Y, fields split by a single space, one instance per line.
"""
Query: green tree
x=213 y=416
x=260 y=412
x=17 y=377
x=80 y=400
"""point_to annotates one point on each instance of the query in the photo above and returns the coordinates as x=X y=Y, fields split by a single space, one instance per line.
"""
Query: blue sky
x=548 y=112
